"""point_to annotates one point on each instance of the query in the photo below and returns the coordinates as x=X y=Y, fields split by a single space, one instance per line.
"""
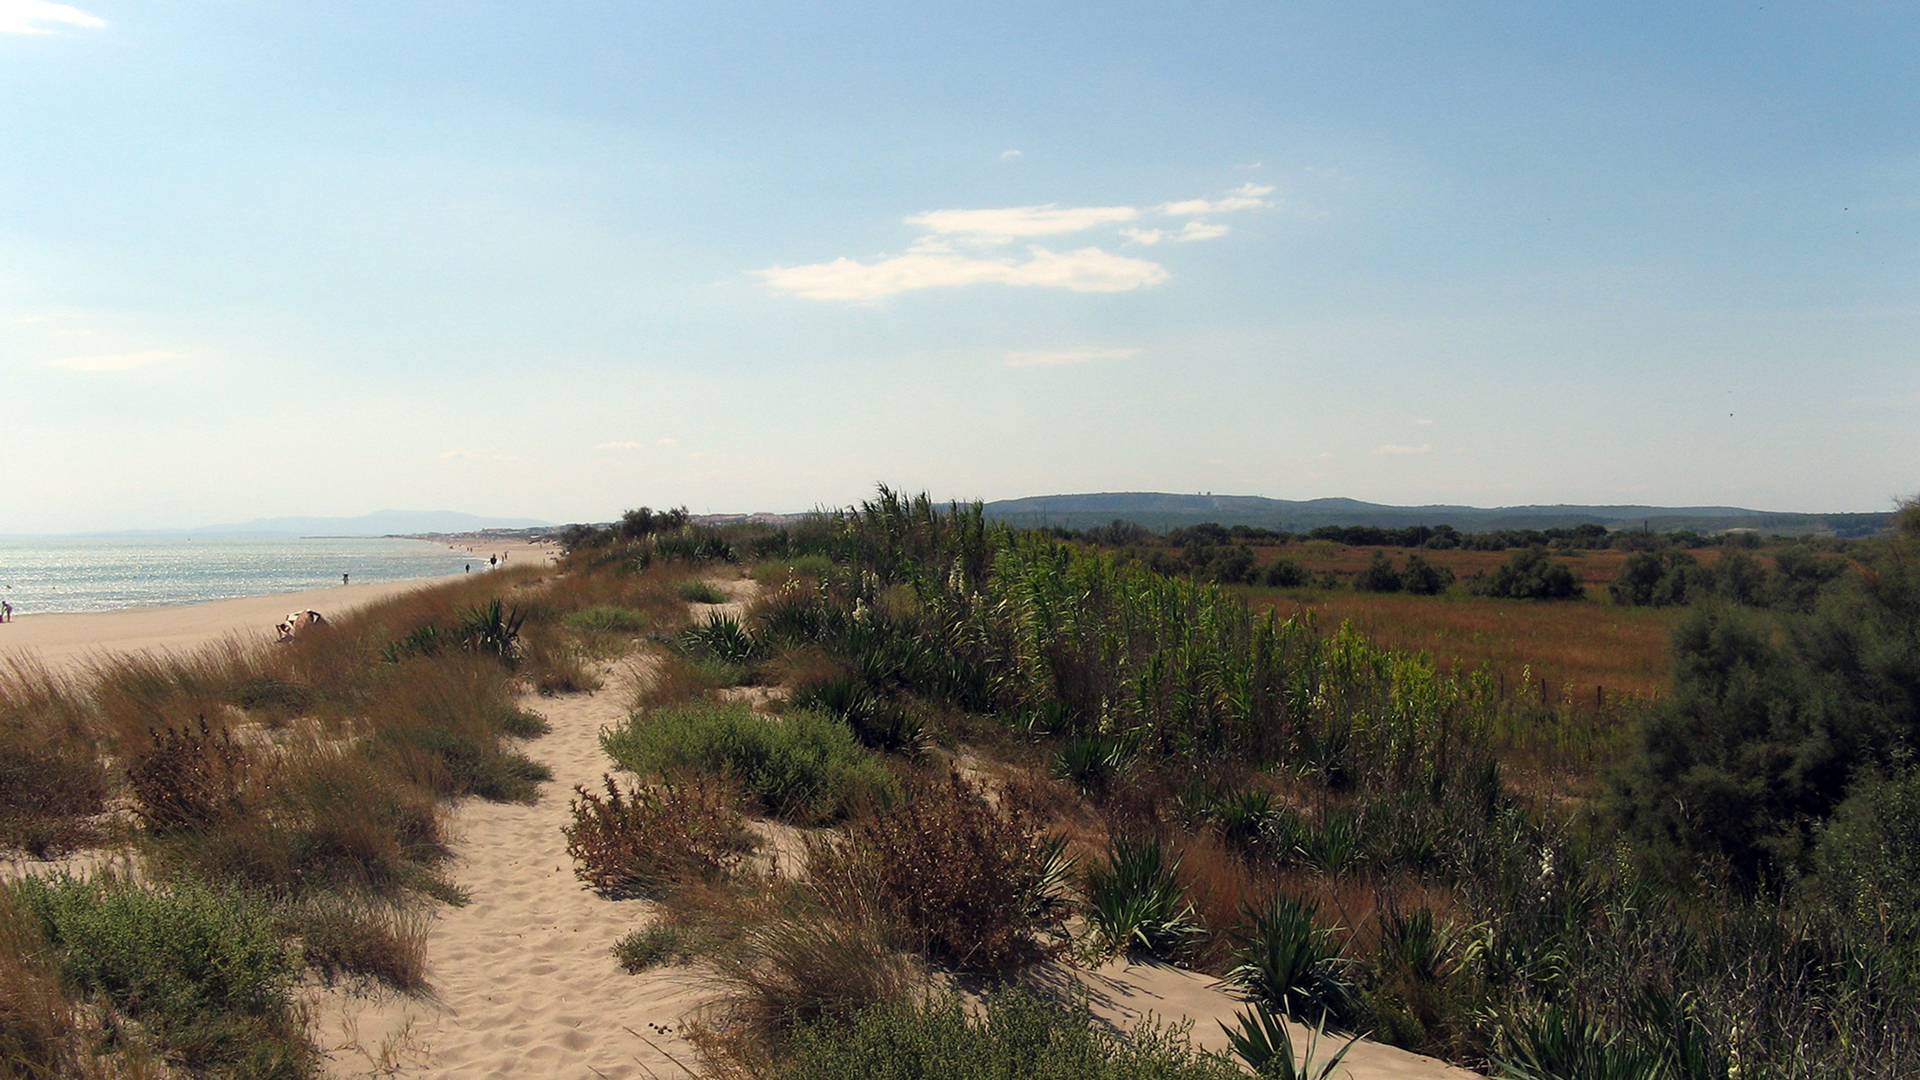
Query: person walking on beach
x=6 y=611
x=343 y=579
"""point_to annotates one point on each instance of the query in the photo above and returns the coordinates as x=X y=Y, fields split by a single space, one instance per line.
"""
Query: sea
x=55 y=574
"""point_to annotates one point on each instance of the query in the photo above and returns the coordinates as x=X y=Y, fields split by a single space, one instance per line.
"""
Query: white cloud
x=1148 y=237
x=31 y=17
x=114 y=362
x=1011 y=155
x=624 y=444
x=1086 y=270
x=1245 y=197
x=1067 y=356
x=1008 y=223
x=1200 y=230
x=667 y=442
x=1391 y=450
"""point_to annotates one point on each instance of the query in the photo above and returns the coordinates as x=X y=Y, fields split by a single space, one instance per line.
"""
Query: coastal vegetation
x=1453 y=796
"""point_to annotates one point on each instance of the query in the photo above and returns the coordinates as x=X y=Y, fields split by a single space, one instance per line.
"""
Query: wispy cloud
x=1390 y=450
x=114 y=362
x=1200 y=230
x=1014 y=222
x=1011 y=155
x=967 y=247
x=33 y=17
x=1067 y=356
x=1245 y=197
x=1086 y=270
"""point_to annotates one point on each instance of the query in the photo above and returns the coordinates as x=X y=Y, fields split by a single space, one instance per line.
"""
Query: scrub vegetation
x=1573 y=806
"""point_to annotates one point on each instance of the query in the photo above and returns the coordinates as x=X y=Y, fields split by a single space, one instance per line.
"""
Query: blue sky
x=557 y=260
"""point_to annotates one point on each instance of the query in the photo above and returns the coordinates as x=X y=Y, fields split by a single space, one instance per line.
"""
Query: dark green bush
x=1379 y=576
x=1286 y=574
x=722 y=637
x=1528 y=574
x=1422 y=578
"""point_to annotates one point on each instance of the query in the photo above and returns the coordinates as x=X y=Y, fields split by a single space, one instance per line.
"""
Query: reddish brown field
x=1595 y=569
x=1570 y=647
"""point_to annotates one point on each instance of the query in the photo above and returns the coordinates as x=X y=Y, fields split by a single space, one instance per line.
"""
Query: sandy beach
x=63 y=640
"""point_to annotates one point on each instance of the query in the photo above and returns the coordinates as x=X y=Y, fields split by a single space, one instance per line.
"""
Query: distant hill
x=1160 y=511
x=378 y=523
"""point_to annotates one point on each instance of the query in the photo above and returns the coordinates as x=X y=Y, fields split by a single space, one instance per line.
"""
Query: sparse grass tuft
x=653 y=946
x=341 y=937
x=1016 y=1034
x=702 y=592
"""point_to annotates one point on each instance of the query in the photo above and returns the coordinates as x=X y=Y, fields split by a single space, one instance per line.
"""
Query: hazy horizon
x=554 y=262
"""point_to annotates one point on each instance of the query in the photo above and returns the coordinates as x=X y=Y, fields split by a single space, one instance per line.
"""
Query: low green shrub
x=206 y=973
x=1528 y=574
x=1016 y=1034
x=803 y=765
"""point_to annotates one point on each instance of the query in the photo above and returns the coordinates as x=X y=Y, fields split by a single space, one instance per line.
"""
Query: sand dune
x=525 y=983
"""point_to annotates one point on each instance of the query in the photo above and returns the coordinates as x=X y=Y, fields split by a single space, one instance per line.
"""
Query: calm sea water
x=104 y=574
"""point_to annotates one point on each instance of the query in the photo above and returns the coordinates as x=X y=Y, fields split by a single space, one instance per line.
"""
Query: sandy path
x=524 y=981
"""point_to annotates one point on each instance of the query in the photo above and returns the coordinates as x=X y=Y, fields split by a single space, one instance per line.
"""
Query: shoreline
x=68 y=640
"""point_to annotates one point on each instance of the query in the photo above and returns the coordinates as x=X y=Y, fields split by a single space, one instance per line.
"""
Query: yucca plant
x=492 y=630
x=1137 y=901
x=1091 y=762
x=1556 y=1043
x=722 y=637
x=1291 y=965
x=1262 y=1041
